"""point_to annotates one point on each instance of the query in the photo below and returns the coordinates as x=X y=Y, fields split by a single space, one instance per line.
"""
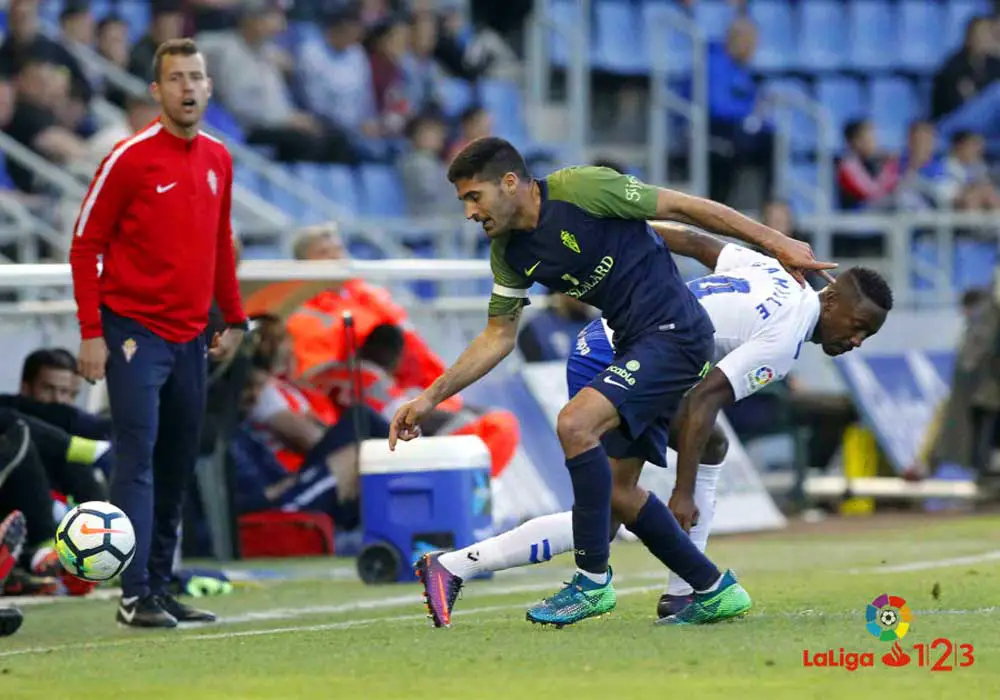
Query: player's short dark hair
x=109 y=20
x=172 y=47
x=384 y=345
x=46 y=358
x=872 y=285
x=963 y=135
x=854 y=128
x=489 y=159
x=973 y=297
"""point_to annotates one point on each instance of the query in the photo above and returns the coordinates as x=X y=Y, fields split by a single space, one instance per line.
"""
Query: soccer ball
x=888 y=617
x=95 y=541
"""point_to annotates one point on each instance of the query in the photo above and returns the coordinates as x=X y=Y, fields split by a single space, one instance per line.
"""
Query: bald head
x=321 y=242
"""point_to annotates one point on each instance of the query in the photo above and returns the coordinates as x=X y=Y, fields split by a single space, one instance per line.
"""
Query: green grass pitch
x=325 y=635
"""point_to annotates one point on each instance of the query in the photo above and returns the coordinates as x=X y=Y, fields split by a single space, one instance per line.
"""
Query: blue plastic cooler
x=431 y=493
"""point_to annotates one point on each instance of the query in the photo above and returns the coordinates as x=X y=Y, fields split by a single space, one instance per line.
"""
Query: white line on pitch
x=346 y=624
x=929 y=564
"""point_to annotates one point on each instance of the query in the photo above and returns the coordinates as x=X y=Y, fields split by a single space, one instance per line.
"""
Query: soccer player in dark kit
x=158 y=212
x=583 y=232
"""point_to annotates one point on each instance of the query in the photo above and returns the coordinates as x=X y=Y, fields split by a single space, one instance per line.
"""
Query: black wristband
x=240 y=326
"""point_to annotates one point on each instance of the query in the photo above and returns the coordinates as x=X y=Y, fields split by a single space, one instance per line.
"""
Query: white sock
x=533 y=542
x=714 y=586
x=704 y=498
x=599 y=579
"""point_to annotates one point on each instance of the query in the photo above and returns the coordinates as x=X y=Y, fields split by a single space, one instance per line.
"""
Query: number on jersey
x=719 y=284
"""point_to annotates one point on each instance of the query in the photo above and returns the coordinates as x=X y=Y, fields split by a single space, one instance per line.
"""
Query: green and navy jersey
x=593 y=243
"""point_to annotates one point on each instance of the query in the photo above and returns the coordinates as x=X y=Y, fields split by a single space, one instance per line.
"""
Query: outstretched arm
x=483 y=354
x=689 y=243
x=796 y=256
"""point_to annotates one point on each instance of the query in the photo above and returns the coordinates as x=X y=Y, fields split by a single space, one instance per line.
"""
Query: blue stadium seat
x=714 y=18
x=563 y=14
x=893 y=106
x=974 y=262
x=382 y=191
x=658 y=36
x=502 y=98
x=283 y=199
x=924 y=251
x=920 y=24
x=776 y=48
x=958 y=14
x=249 y=179
x=100 y=9
x=338 y=183
x=218 y=117
x=823 y=35
x=617 y=37
x=363 y=250
x=5 y=182
x=456 y=96
x=846 y=99
x=262 y=251
x=137 y=14
x=802 y=128
x=874 y=34
x=801 y=172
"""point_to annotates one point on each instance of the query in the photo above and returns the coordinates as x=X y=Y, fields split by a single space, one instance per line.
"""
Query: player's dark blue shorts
x=645 y=380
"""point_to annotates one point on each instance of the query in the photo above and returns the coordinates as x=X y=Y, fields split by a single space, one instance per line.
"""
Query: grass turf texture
x=323 y=636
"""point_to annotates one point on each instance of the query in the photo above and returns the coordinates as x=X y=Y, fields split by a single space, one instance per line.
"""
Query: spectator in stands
x=549 y=334
x=249 y=82
x=777 y=214
x=167 y=24
x=112 y=44
x=866 y=177
x=475 y=123
x=139 y=112
x=25 y=43
x=424 y=76
x=967 y=179
x=423 y=170
x=42 y=91
x=967 y=71
x=387 y=44
x=740 y=138
x=922 y=172
x=334 y=78
x=217 y=15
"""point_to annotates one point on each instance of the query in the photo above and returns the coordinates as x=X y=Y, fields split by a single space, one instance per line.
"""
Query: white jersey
x=761 y=314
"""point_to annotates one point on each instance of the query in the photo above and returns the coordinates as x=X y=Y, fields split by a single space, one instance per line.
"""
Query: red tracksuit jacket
x=158 y=212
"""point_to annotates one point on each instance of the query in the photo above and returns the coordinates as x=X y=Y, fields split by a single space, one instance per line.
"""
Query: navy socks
x=590 y=473
x=659 y=530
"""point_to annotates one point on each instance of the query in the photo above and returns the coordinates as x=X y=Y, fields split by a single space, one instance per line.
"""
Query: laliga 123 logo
x=888 y=619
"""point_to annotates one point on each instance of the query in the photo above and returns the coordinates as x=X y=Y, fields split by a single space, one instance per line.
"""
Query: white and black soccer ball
x=95 y=541
x=888 y=617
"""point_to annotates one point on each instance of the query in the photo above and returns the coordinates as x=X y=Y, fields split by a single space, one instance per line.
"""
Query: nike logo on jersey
x=160 y=189
x=609 y=380
x=529 y=270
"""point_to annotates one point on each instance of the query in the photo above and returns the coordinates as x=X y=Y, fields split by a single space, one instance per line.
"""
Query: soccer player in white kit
x=762 y=317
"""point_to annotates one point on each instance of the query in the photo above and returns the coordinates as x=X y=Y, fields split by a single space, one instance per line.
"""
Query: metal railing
x=899 y=231
x=786 y=105
x=276 y=177
x=665 y=102
x=577 y=36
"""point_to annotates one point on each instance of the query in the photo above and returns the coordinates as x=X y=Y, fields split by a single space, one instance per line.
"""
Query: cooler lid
x=424 y=454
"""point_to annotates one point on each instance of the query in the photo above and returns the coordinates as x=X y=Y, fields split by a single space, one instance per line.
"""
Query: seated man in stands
x=297 y=449
x=320 y=352
x=866 y=177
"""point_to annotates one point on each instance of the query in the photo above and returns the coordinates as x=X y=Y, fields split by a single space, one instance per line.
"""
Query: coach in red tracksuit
x=157 y=213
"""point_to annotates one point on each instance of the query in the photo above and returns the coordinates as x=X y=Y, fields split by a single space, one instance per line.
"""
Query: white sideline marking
x=346 y=624
x=930 y=564
x=413 y=598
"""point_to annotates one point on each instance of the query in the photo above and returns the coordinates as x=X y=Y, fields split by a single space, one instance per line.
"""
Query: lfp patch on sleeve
x=759 y=378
